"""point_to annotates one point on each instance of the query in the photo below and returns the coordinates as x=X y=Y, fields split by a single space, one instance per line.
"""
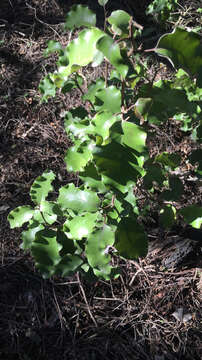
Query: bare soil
x=150 y=312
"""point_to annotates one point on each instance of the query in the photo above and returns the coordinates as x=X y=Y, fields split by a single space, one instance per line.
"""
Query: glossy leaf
x=120 y=22
x=45 y=250
x=108 y=99
x=131 y=240
x=96 y=251
x=20 y=215
x=102 y=122
x=68 y=245
x=134 y=136
x=42 y=186
x=92 y=179
x=77 y=200
x=78 y=16
x=48 y=210
x=183 y=49
x=28 y=236
x=93 y=88
x=192 y=215
x=116 y=164
x=142 y=108
x=111 y=51
x=81 y=226
x=78 y=156
x=81 y=51
x=53 y=46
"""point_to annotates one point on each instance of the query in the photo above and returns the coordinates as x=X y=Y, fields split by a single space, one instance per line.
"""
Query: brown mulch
x=150 y=312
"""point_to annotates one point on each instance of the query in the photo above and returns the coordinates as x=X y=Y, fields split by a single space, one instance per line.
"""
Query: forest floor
x=149 y=312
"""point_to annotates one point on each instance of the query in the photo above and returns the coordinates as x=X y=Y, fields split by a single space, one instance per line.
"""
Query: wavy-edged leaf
x=53 y=46
x=192 y=215
x=68 y=265
x=119 y=20
x=92 y=179
x=108 y=99
x=111 y=51
x=183 y=48
x=116 y=164
x=134 y=136
x=45 y=250
x=20 y=215
x=96 y=251
x=142 y=108
x=81 y=51
x=131 y=240
x=78 y=156
x=102 y=122
x=68 y=246
x=103 y=2
x=81 y=226
x=99 y=84
x=77 y=200
x=28 y=236
x=42 y=186
x=80 y=15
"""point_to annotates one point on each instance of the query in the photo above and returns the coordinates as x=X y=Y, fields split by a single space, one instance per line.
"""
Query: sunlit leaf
x=47 y=88
x=183 y=48
x=111 y=51
x=78 y=16
x=120 y=22
x=134 y=136
x=108 y=99
x=20 y=215
x=28 y=236
x=42 y=186
x=81 y=226
x=77 y=200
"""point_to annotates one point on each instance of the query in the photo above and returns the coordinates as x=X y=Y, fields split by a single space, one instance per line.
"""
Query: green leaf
x=111 y=51
x=142 y=108
x=20 y=215
x=45 y=250
x=77 y=200
x=183 y=49
x=69 y=265
x=42 y=186
x=81 y=226
x=48 y=210
x=167 y=216
x=120 y=22
x=78 y=16
x=131 y=240
x=93 y=88
x=53 y=46
x=92 y=179
x=134 y=136
x=78 y=156
x=81 y=51
x=102 y=2
x=68 y=246
x=116 y=164
x=47 y=88
x=102 y=122
x=28 y=236
x=96 y=251
x=192 y=215
x=171 y=160
x=108 y=99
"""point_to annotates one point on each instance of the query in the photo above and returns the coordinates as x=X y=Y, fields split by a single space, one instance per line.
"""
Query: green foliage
x=79 y=228
x=161 y=9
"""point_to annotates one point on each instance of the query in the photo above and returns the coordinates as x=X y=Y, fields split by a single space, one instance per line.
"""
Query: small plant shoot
x=86 y=225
